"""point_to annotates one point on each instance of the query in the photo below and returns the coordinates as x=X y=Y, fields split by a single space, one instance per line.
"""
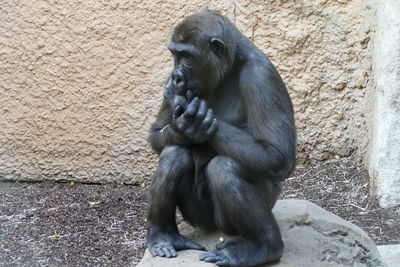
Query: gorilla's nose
x=178 y=81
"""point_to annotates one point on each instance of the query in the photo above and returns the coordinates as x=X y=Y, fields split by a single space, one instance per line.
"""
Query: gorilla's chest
x=230 y=108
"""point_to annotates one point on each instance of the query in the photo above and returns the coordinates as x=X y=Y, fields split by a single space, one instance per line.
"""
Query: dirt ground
x=68 y=224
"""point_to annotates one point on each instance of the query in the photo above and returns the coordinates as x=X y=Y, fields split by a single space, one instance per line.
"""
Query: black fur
x=226 y=137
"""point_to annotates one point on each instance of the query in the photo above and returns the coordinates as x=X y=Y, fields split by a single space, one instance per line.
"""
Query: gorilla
x=226 y=137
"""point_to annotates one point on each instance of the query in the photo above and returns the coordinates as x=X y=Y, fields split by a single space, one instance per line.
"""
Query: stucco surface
x=81 y=81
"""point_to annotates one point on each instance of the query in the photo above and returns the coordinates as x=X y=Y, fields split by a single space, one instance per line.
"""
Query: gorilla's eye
x=185 y=54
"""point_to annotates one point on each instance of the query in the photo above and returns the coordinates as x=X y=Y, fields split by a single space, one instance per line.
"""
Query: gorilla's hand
x=173 y=99
x=196 y=121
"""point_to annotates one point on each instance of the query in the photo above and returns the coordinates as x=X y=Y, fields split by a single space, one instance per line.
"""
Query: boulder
x=312 y=237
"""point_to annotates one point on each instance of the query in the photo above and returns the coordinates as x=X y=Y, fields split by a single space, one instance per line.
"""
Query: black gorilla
x=226 y=137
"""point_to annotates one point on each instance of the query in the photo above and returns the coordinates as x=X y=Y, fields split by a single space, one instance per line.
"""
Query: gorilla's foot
x=239 y=252
x=166 y=244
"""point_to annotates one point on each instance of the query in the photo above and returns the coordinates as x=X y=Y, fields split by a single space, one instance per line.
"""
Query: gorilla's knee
x=223 y=172
x=174 y=160
x=175 y=156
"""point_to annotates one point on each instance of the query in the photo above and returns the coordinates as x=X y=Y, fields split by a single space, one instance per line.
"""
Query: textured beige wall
x=80 y=81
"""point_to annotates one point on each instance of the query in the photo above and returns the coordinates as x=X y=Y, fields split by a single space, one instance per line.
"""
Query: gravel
x=72 y=224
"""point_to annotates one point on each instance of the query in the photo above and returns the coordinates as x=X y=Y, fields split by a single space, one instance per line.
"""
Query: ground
x=70 y=224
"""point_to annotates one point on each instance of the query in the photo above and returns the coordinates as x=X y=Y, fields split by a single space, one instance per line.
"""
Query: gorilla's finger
x=182 y=123
x=158 y=251
x=191 y=109
x=177 y=112
x=201 y=112
x=180 y=101
x=208 y=119
x=167 y=252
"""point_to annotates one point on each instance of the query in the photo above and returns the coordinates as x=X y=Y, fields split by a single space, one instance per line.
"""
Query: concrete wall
x=80 y=81
x=384 y=165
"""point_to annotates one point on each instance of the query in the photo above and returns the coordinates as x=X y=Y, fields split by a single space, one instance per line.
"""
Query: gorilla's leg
x=194 y=196
x=247 y=209
x=163 y=238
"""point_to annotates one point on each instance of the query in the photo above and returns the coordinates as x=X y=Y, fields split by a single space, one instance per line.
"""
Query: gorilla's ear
x=218 y=46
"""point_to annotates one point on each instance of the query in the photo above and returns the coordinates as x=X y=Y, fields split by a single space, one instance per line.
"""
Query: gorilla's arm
x=267 y=144
x=254 y=155
x=161 y=132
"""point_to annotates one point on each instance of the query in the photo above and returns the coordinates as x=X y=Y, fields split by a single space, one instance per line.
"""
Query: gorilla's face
x=196 y=67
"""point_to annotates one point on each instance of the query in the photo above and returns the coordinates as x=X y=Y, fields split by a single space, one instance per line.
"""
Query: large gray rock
x=312 y=237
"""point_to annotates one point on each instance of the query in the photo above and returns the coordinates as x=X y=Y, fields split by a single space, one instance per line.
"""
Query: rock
x=390 y=255
x=312 y=237
x=384 y=166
